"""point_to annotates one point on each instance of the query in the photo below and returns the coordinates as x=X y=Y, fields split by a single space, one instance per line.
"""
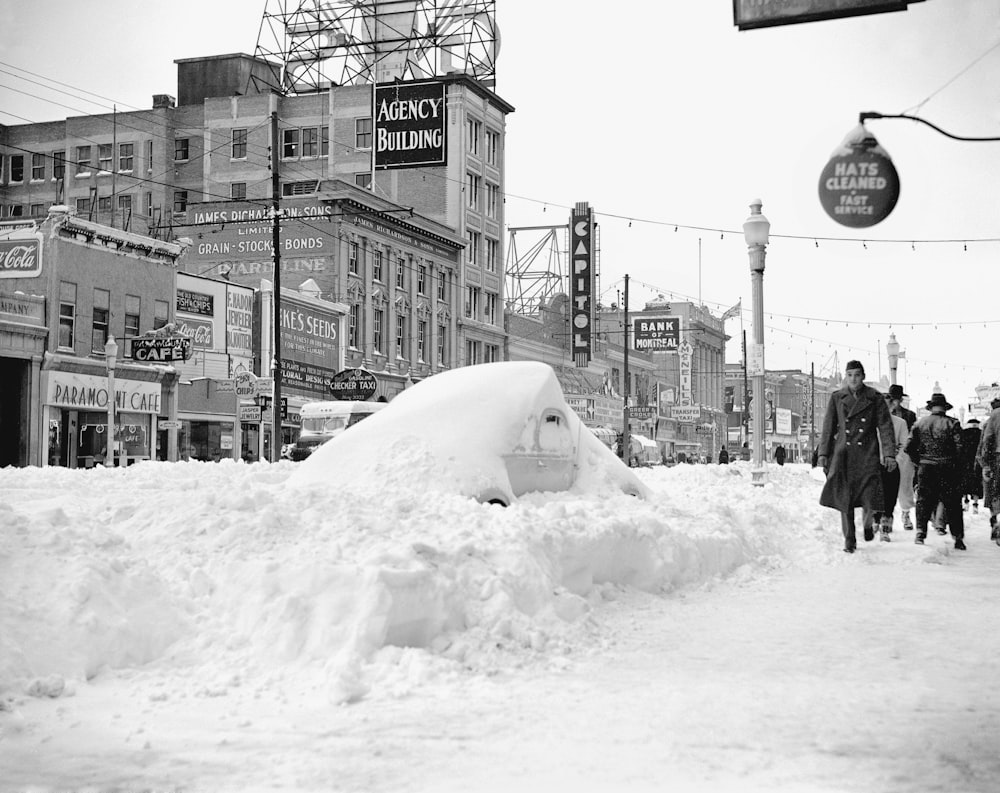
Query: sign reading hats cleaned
x=859 y=186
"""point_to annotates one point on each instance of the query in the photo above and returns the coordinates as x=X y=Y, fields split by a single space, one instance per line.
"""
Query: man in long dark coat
x=988 y=456
x=856 y=421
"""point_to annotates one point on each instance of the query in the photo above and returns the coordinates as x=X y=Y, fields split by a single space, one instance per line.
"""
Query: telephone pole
x=276 y=245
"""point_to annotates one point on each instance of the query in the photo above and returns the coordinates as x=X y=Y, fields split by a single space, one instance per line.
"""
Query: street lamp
x=755 y=231
x=110 y=359
x=892 y=349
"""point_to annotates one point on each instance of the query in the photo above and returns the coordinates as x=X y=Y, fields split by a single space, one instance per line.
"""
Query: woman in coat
x=857 y=421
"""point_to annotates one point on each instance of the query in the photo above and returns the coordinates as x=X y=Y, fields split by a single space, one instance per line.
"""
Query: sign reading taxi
x=354 y=384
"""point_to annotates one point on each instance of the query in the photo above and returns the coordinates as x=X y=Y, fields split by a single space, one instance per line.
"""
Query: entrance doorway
x=14 y=385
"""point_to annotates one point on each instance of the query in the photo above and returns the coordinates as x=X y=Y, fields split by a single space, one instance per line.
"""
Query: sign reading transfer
x=410 y=125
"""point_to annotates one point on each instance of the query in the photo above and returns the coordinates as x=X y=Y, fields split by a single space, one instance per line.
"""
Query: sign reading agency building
x=657 y=335
x=410 y=126
x=581 y=281
x=859 y=186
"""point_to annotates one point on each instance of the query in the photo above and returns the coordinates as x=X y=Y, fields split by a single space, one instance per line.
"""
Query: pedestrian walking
x=779 y=454
x=745 y=453
x=972 y=472
x=723 y=456
x=906 y=497
x=891 y=479
x=935 y=447
x=988 y=456
x=856 y=427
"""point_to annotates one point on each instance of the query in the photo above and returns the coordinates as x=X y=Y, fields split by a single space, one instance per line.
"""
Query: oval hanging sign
x=355 y=384
x=859 y=186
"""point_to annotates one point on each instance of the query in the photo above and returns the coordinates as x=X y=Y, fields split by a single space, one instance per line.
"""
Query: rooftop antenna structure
x=534 y=273
x=315 y=44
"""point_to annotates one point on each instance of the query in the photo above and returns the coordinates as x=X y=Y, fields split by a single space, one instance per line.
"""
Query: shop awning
x=643 y=440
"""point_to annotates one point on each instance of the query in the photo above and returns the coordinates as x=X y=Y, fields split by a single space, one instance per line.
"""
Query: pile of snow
x=228 y=571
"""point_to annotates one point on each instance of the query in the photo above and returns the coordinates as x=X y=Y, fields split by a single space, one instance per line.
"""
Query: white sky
x=222 y=626
x=672 y=116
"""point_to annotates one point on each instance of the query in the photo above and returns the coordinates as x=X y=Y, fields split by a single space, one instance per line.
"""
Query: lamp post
x=892 y=349
x=110 y=359
x=755 y=231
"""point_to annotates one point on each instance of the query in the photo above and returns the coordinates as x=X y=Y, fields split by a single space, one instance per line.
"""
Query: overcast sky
x=671 y=117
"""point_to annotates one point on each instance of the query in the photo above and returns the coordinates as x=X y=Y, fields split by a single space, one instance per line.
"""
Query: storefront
x=22 y=344
x=75 y=411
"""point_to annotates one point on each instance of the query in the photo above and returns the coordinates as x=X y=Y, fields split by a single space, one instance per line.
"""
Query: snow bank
x=234 y=572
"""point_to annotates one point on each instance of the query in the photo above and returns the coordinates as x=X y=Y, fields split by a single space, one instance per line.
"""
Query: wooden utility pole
x=276 y=244
x=626 y=434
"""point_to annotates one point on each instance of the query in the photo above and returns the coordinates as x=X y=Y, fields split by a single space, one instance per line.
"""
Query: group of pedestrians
x=876 y=453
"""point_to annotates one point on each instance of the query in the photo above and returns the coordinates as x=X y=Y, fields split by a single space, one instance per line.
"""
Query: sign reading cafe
x=410 y=125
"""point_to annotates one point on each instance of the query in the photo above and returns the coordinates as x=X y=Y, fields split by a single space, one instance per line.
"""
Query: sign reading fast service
x=410 y=126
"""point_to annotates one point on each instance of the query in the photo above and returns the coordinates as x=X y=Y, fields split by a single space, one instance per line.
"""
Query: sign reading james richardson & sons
x=410 y=125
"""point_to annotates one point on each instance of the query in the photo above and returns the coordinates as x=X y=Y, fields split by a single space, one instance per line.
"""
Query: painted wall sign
x=410 y=125
x=89 y=392
x=859 y=186
x=581 y=280
x=21 y=256
x=750 y=14
x=657 y=335
x=27 y=309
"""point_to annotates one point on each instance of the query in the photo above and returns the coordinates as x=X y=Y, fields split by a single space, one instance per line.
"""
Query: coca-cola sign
x=20 y=257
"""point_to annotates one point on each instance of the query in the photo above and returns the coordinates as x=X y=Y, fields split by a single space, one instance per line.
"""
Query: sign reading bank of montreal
x=410 y=125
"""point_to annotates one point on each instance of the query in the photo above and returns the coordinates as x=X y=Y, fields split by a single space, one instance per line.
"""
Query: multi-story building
x=67 y=286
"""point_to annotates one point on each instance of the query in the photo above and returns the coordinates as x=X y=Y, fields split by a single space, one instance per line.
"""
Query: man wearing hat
x=935 y=446
x=988 y=456
x=895 y=399
x=972 y=472
x=856 y=442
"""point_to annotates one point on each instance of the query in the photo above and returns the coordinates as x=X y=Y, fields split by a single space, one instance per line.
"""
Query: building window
x=104 y=205
x=67 y=314
x=377 y=315
x=472 y=252
x=353 y=325
x=400 y=336
x=472 y=352
x=125 y=206
x=16 y=168
x=442 y=344
x=180 y=200
x=37 y=210
x=58 y=164
x=400 y=273
x=181 y=150
x=238 y=191
x=149 y=156
x=490 y=308
x=473 y=131
x=310 y=142
x=239 y=144
x=492 y=199
x=149 y=204
x=161 y=312
x=37 y=167
x=492 y=147
x=442 y=289
x=289 y=144
x=473 y=183
x=421 y=339
x=15 y=211
x=132 y=304
x=377 y=266
x=126 y=156
x=104 y=154
x=363 y=180
x=492 y=254
x=83 y=206
x=472 y=303
x=83 y=160
x=352 y=258
x=491 y=353
x=300 y=188
x=324 y=141
x=102 y=315
x=421 y=279
x=362 y=133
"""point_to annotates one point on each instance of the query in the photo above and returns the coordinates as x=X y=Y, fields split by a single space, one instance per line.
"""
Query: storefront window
x=131 y=438
x=205 y=440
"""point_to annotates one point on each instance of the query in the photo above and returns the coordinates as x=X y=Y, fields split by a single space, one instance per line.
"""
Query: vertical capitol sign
x=581 y=281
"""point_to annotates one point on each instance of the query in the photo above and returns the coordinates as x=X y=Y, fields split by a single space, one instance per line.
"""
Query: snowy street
x=156 y=650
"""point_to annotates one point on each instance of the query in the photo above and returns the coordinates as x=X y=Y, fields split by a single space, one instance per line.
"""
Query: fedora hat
x=896 y=392
x=973 y=420
x=938 y=401
x=995 y=402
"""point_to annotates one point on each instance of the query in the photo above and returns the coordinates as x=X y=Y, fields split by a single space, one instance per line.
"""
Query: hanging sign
x=859 y=186
x=355 y=384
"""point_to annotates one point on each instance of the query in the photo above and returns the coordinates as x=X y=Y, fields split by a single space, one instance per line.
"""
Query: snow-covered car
x=492 y=432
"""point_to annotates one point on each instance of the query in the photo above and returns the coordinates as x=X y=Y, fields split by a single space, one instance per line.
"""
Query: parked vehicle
x=492 y=432
x=322 y=421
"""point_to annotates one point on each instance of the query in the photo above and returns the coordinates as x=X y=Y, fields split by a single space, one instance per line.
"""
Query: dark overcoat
x=857 y=434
